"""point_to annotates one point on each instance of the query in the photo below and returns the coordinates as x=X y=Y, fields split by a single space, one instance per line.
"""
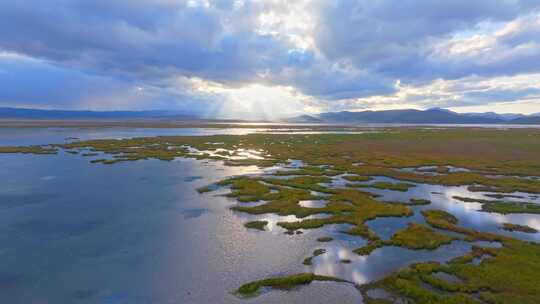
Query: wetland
x=385 y=215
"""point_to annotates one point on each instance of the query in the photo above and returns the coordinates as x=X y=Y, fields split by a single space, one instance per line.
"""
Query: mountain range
x=20 y=113
x=409 y=116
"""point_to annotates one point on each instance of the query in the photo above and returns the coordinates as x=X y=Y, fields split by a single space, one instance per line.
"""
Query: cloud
x=470 y=92
x=343 y=54
x=37 y=83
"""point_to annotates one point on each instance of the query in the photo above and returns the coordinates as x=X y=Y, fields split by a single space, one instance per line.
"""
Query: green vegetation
x=204 y=189
x=417 y=236
x=379 y=152
x=245 y=189
x=350 y=207
x=104 y=161
x=357 y=178
x=372 y=245
x=503 y=207
x=287 y=282
x=325 y=239
x=29 y=150
x=259 y=225
x=419 y=201
x=520 y=228
x=90 y=154
x=511 y=207
x=470 y=199
x=508 y=275
x=316 y=252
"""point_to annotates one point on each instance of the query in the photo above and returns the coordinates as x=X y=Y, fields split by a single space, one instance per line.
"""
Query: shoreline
x=10 y=123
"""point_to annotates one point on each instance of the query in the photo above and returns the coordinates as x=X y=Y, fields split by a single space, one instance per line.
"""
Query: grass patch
x=502 y=207
x=417 y=236
x=316 y=252
x=520 y=228
x=508 y=275
x=90 y=154
x=284 y=283
x=259 y=225
x=357 y=178
x=325 y=239
x=511 y=207
x=29 y=150
x=372 y=245
x=205 y=189
x=419 y=201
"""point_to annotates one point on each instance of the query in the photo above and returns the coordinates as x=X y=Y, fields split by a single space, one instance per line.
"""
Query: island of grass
x=419 y=201
x=29 y=150
x=206 y=189
x=89 y=154
x=316 y=252
x=502 y=207
x=511 y=207
x=344 y=206
x=520 y=228
x=370 y=247
x=286 y=282
x=508 y=275
x=325 y=239
x=415 y=236
x=379 y=152
x=357 y=178
x=259 y=225
x=415 y=202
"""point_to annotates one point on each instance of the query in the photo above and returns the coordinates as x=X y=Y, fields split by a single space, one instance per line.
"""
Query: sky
x=274 y=58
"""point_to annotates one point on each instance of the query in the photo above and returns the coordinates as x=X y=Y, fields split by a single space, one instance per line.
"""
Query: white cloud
x=275 y=57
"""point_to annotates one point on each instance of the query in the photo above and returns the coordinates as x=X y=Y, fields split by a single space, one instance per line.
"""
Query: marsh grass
x=259 y=225
x=325 y=239
x=285 y=283
x=520 y=228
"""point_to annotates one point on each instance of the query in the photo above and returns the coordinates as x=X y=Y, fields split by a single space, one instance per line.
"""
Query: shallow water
x=468 y=214
x=138 y=232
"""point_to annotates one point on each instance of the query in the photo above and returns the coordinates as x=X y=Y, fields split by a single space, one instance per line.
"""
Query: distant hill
x=303 y=119
x=411 y=116
x=503 y=116
x=19 y=113
x=439 y=116
x=529 y=120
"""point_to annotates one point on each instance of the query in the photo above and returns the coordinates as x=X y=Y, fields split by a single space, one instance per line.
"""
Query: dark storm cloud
x=29 y=81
